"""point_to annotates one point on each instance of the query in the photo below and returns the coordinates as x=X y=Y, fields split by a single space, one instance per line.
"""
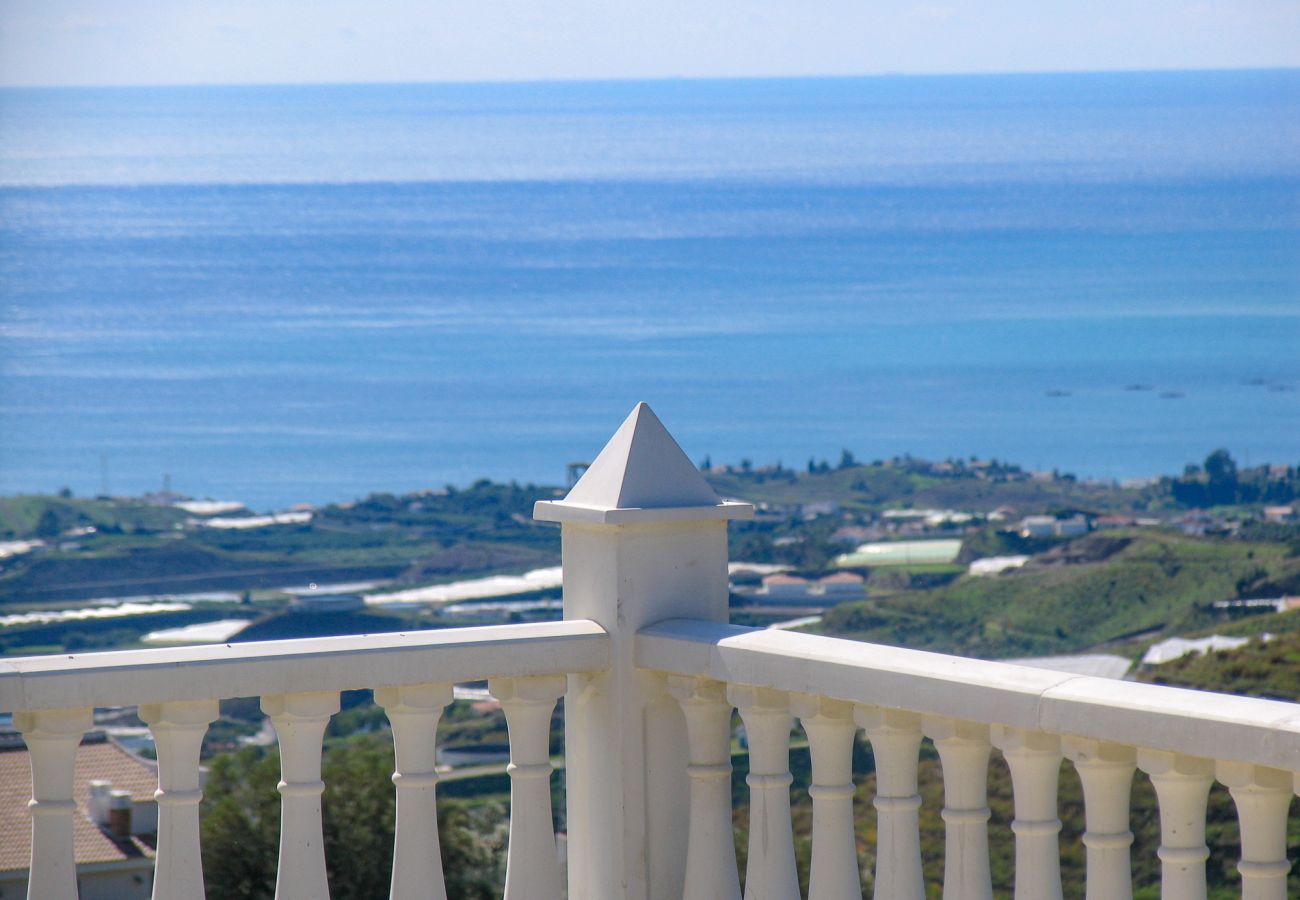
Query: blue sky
x=92 y=42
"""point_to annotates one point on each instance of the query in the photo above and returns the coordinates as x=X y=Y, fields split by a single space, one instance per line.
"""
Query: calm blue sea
x=284 y=294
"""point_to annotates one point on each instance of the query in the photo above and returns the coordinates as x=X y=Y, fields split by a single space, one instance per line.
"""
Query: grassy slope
x=869 y=487
x=20 y=515
x=138 y=549
x=1259 y=669
x=1158 y=582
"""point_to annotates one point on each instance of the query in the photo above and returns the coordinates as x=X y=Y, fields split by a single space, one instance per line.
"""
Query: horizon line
x=640 y=79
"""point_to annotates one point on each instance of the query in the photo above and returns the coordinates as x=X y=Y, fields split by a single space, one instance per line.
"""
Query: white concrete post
x=1035 y=762
x=1106 y=772
x=711 y=853
x=644 y=539
x=532 y=865
x=895 y=737
x=52 y=738
x=964 y=755
x=413 y=711
x=300 y=721
x=1182 y=786
x=770 y=873
x=833 y=874
x=1263 y=798
x=178 y=728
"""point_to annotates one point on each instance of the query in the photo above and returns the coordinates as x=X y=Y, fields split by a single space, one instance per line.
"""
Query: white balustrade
x=52 y=738
x=414 y=711
x=1263 y=797
x=1182 y=786
x=895 y=738
x=770 y=873
x=300 y=720
x=532 y=866
x=711 y=851
x=1106 y=773
x=178 y=728
x=964 y=755
x=833 y=873
x=1034 y=759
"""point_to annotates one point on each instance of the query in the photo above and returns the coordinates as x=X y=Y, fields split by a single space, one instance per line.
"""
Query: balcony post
x=52 y=738
x=1034 y=759
x=300 y=720
x=711 y=857
x=644 y=539
x=178 y=728
x=414 y=711
x=829 y=724
x=895 y=737
x=532 y=867
x=1106 y=773
x=770 y=872
x=1263 y=798
x=1182 y=786
x=964 y=757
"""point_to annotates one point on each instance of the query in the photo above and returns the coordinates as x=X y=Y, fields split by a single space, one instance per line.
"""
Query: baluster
x=1182 y=786
x=1106 y=772
x=300 y=720
x=52 y=737
x=895 y=738
x=711 y=850
x=1035 y=762
x=1263 y=799
x=532 y=863
x=964 y=754
x=178 y=728
x=830 y=728
x=770 y=873
x=413 y=711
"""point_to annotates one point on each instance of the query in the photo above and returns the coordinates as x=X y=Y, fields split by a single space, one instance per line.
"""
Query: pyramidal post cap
x=642 y=475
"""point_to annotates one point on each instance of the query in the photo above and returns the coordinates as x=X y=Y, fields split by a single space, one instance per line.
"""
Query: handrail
x=131 y=677
x=1200 y=723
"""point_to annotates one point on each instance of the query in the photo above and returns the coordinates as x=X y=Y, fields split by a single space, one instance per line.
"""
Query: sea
x=309 y=293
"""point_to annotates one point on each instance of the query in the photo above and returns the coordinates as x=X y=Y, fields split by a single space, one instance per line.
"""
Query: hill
x=1096 y=590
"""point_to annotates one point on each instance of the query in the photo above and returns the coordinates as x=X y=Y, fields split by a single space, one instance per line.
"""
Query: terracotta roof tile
x=102 y=760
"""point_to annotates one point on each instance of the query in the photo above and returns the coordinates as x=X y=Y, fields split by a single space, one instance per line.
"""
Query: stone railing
x=651 y=673
x=1182 y=739
x=299 y=682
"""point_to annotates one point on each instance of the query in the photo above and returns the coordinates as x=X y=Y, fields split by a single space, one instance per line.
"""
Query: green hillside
x=1259 y=669
x=1098 y=589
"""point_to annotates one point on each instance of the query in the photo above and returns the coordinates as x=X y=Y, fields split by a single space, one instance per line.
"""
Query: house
x=1102 y=523
x=1071 y=527
x=1279 y=514
x=785 y=587
x=1038 y=526
x=113 y=829
x=841 y=585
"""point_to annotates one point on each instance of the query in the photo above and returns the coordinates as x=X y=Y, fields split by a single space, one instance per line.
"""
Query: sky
x=151 y=42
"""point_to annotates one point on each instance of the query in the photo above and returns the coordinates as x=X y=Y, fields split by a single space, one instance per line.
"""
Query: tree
x=1222 y=473
x=846 y=459
x=48 y=525
x=241 y=826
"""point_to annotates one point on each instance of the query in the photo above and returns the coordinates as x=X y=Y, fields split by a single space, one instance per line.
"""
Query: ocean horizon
x=308 y=293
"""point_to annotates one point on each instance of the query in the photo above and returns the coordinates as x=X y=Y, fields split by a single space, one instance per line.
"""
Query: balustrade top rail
x=1220 y=726
x=130 y=677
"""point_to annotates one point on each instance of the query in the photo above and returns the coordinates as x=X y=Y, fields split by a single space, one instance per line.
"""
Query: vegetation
x=1098 y=589
x=241 y=826
x=1262 y=668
